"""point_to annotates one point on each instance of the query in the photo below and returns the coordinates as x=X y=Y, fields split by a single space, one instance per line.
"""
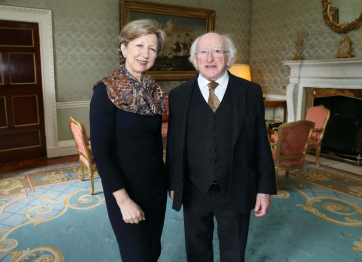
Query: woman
x=125 y=120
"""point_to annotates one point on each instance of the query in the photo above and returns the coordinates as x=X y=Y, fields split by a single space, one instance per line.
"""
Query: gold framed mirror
x=343 y=15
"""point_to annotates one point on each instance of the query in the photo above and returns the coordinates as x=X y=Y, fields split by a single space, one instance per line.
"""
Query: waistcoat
x=209 y=141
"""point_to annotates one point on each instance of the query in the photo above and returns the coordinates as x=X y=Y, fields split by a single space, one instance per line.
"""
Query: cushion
x=318 y=115
x=78 y=137
x=312 y=142
x=287 y=162
x=164 y=129
x=317 y=135
x=295 y=139
x=84 y=134
x=85 y=161
x=165 y=115
x=274 y=137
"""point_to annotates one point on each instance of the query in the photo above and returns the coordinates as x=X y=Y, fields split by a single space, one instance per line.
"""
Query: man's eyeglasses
x=215 y=53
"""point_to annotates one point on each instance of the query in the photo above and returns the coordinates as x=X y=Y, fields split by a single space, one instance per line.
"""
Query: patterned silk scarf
x=124 y=90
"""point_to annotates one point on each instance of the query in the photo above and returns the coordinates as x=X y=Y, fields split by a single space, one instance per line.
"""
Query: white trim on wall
x=336 y=73
x=67 y=148
x=271 y=97
x=72 y=104
x=44 y=19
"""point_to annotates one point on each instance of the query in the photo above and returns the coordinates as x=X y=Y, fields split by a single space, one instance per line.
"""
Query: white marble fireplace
x=338 y=73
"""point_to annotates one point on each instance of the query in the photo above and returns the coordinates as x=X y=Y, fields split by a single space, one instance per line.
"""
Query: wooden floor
x=38 y=162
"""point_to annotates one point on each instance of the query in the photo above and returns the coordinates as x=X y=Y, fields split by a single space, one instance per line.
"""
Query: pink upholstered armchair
x=292 y=146
x=320 y=116
x=165 y=119
x=84 y=149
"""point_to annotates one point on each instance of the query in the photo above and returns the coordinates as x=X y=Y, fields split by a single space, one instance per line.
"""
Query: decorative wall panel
x=16 y=37
x=22 y=68
x=3 y=116
x=1 y=70
x=273 y=26
x=25 y=110
x=20 y=140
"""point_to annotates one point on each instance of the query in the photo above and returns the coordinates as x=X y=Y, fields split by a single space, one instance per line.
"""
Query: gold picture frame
x=329 y=15
x=187 y=23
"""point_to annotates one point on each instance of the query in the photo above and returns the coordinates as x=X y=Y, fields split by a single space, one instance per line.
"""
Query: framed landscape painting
x=182 y=26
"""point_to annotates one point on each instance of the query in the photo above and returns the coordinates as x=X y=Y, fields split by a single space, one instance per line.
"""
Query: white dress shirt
x=219 y=90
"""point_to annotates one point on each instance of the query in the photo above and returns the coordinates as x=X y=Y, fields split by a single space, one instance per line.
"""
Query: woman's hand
x=131 y=212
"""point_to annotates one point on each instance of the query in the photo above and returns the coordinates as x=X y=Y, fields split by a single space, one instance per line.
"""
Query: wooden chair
x=320 y=116
x=165 y=119
x=292 y=146
x=84 y=149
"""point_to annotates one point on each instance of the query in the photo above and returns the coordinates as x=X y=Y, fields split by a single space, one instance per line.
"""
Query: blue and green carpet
x=47 y=214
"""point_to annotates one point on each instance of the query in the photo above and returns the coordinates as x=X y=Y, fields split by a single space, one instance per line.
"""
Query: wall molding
x=271 y=97
x=73 y=104
x=67 y=148
x=336 y=73
x=43 y=18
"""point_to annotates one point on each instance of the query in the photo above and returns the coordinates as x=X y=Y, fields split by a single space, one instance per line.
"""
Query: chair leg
x=300 y=177
x=317 y=156
x=91 y=178
x=82 y=169
x=287 y=173
x=276 y=176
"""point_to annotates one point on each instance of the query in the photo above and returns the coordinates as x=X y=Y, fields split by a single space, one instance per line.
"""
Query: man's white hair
x=229 y=45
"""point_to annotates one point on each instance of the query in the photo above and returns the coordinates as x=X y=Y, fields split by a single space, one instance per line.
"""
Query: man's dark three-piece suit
x=217 y=164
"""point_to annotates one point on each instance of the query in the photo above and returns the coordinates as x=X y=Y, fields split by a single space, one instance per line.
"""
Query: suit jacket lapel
x=185 y=102
x=238 y=103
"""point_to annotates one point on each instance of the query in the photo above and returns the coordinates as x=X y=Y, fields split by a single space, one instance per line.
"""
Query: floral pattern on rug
x=331 y=181
x=59 y=221
x=27 y=183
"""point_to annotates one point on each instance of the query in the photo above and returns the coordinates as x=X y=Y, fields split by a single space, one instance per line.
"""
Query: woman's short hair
x=229 y=45
x=138 y=28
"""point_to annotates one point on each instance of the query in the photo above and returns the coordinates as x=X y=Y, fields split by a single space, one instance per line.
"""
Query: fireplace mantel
x=339 y=73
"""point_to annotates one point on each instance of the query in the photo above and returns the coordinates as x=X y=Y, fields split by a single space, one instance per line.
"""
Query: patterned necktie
x=213 y=101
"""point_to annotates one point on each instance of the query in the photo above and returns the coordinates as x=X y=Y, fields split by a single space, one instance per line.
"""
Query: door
x=22 y=129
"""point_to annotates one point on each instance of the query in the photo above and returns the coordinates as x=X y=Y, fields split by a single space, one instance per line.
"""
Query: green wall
x=85 y=44
x=86 y=31
x=80 y=114
x=273 y=25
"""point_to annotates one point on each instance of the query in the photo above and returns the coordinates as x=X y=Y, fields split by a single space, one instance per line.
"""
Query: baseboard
x=65 y=148
x=72 y=104
x=52 y=152
x=271 y=97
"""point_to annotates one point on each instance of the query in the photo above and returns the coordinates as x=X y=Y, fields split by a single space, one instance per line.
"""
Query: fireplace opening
x=343 y=134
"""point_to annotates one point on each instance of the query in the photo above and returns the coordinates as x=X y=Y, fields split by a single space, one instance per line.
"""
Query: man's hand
x=263 y=202
x=171 y=193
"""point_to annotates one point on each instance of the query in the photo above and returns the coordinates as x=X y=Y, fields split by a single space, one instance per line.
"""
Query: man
x=218 y=156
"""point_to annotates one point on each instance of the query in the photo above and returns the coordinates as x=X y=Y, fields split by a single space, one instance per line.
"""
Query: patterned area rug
x=50 y=216
x=24 y=182
x=17 y=185
x=339 y=181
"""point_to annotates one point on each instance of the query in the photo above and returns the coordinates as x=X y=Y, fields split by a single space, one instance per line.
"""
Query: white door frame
x=44 y=19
